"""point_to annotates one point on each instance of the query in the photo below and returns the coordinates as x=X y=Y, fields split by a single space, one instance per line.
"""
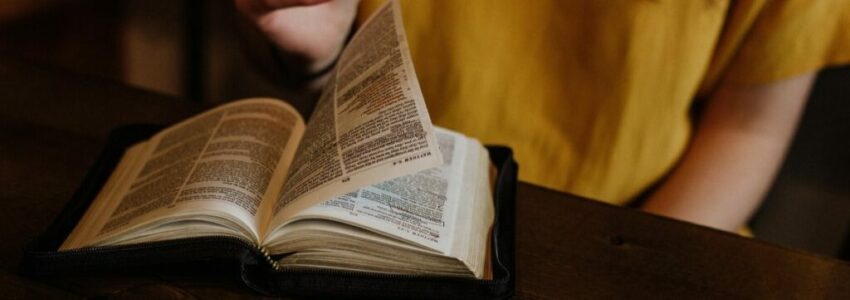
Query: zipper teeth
x=265 y=252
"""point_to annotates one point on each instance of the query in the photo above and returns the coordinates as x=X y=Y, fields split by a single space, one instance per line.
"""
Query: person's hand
x=308 y=33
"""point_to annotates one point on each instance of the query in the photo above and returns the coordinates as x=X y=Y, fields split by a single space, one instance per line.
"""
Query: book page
x=214 y=168
x=446 y=210
x=419 y=208
x=369 y=125
x=319 y=244
x=476 y=215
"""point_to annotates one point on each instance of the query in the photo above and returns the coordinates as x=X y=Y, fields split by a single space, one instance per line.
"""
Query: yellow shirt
x=594 y=96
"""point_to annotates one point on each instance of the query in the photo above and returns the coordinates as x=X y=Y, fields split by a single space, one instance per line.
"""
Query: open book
x=367 y=184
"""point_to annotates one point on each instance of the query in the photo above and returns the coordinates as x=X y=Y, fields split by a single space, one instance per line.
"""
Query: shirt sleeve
x=765 y=41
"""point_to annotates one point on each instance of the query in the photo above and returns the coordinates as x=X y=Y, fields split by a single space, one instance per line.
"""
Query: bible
x=366 y=199
x=368 y=184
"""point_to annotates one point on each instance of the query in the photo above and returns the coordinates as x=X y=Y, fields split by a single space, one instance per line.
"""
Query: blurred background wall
x=184 y=48
x=188 y=49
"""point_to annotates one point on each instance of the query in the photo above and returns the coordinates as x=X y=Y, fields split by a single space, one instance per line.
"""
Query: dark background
x=188 y=49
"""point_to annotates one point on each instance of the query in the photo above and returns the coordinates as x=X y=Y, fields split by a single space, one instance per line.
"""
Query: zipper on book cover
x=265 y=252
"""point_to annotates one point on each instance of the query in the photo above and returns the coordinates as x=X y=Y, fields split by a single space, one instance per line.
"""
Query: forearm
x=737 y=148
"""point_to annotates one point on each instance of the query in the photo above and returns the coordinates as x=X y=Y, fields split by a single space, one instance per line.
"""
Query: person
x=598 y=98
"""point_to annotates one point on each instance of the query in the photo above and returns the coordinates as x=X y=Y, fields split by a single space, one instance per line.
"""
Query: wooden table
x=53 y=124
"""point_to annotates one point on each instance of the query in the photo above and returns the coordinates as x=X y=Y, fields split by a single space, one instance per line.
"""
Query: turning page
x=436 y=218
x=420 y=208
x=369 y=125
